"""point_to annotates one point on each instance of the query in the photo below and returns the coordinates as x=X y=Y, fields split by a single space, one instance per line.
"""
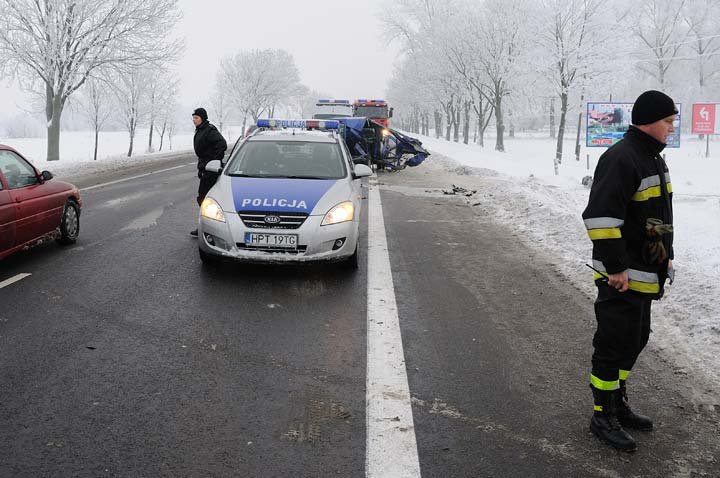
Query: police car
x=289 y=192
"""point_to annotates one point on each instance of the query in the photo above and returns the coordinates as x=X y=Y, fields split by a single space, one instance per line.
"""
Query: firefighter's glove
x=654 y=250
x=671 y=274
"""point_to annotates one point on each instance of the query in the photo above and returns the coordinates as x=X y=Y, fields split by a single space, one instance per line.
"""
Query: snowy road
x=123 y=356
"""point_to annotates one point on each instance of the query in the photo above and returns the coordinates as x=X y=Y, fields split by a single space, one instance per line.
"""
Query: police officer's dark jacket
x=209 y=144
x=631 y=185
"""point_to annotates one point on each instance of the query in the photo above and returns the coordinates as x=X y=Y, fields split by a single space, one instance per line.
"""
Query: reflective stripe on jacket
x=627 y=190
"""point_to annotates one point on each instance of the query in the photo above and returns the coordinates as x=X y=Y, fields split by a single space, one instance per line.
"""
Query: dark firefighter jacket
x=209 y=144
x=631 y=185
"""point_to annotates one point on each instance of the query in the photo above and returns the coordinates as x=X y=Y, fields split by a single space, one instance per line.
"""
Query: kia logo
x=271 y=219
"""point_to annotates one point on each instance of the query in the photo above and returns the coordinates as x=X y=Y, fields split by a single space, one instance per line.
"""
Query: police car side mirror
x=214 y=166
x=362 y=171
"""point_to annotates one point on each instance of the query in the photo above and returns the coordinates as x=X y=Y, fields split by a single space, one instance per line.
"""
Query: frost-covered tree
x=166 y=120
x=160 y=91
x=221 y=108
x=96 y=106
x=129 y=87
x=53 y=46
x=569 y=39
x=702 y=18
x=258 y=80
x=658 y=24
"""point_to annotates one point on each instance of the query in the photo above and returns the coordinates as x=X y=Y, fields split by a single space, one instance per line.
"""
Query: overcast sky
x=337 y=45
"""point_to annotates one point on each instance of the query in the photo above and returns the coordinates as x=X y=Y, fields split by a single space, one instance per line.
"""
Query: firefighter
x=629 y=220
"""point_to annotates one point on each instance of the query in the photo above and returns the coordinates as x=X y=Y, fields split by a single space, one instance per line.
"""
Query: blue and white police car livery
x=289 y=192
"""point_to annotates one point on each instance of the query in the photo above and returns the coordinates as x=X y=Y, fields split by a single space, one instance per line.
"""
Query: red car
x=32 y=206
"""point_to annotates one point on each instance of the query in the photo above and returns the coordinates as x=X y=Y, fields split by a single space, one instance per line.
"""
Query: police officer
x=629 y=220
x=209 y=145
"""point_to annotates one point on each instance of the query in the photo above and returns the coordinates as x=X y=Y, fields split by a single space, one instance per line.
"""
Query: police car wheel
x=208 y=259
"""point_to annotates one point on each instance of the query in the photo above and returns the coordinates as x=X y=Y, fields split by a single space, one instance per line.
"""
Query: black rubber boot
x=627 y=417
x=604 y=423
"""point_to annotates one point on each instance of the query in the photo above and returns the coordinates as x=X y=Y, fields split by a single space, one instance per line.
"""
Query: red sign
x=703 y=118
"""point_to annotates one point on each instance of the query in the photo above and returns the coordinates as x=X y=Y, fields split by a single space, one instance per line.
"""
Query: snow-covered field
x=526 y=195
x=76 y=147
x=547 y=208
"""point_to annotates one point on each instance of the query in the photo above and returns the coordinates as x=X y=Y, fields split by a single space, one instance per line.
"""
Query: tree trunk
x=449 y=115
x=132 y=137
x=481 y=130
x=96 y=143
x=438 y=124
x=499 y=125
x=162 y=134
x=511 y=133
x=456 y=126
x=53 y=112
x=552 y=117
x=466 y=124
x=561 y=131
x=152 y=128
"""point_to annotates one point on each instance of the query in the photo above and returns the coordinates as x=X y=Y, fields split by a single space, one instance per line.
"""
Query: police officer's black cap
x=652 y=106
x=201 y=113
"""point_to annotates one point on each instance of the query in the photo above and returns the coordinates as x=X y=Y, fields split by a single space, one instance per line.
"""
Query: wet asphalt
x=124 y=356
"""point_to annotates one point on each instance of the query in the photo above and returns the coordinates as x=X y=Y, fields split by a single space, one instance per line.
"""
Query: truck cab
x=376 y=110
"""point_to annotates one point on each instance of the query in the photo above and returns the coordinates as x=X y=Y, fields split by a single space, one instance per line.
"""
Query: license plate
x=285 y=241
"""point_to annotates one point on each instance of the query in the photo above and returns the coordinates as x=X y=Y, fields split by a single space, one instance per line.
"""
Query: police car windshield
x=288 y=159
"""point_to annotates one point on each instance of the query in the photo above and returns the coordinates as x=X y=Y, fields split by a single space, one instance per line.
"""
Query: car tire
x=69 y=223
x=208 y=259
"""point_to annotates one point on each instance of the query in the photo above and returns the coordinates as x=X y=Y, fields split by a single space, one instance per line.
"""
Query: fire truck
x=375 y=110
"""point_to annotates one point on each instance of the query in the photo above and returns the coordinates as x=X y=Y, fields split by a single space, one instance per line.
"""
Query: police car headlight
x=343 y=212
x=211 y=210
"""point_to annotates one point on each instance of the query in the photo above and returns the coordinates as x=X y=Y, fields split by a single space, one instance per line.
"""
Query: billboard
x=608 y=122
x=703 y=119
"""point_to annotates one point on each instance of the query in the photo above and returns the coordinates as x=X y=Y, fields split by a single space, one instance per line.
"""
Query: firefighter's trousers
x=623 y=329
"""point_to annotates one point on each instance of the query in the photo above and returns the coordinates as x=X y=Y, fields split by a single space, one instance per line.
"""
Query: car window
x=18 y=172
x=284 y=159
x=348 y=155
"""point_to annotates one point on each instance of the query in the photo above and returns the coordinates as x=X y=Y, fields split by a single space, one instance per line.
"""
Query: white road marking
x=133 y=177
x=14 y=279
x=391 y=448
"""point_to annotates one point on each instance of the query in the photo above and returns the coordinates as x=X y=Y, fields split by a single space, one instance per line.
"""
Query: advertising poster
x=608 y=122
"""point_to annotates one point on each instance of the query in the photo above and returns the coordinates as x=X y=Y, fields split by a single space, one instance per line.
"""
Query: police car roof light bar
x=298 y=123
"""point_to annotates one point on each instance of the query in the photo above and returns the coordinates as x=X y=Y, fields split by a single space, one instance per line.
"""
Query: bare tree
x=160 y=91
x=166 y=119
x=701 y=18
x=221 y=108
x=129 y=87
x=56 y=44
x=499 y=41
x=658 y=24
x=566 y=41
x=258 y=80
x=96 y=106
